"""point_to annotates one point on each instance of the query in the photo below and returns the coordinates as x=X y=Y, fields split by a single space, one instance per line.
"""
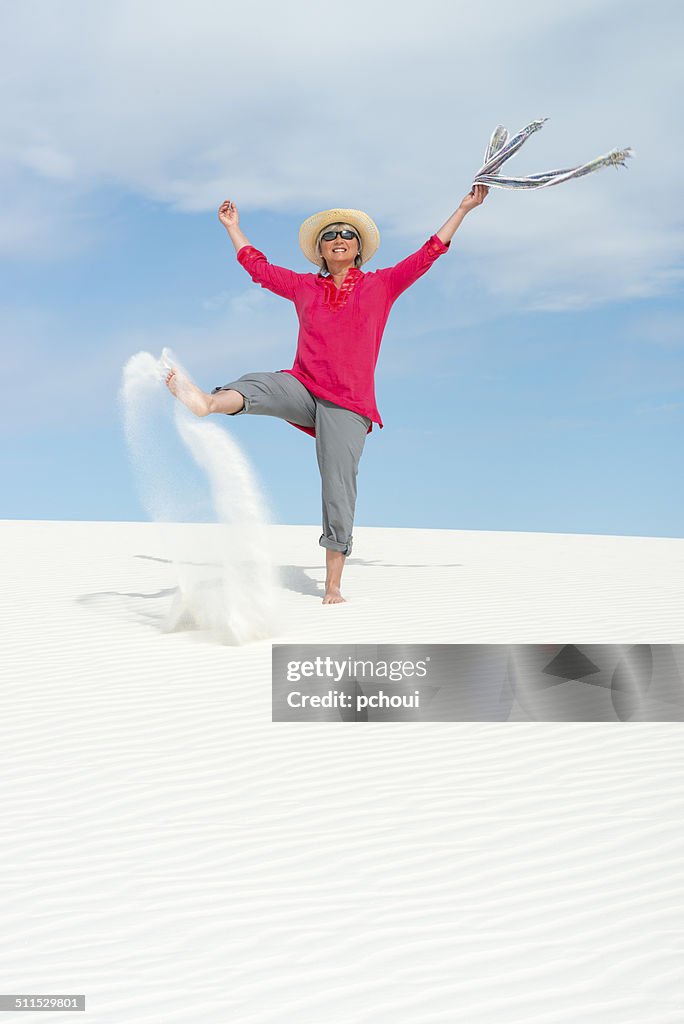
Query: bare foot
x=188 y=393
x=334 y=564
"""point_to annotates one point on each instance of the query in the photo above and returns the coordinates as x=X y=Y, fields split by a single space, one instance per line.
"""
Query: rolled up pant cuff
x=335 y=545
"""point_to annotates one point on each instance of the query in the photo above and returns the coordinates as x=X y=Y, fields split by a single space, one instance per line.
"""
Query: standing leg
x=340 y=437
x=334 y=564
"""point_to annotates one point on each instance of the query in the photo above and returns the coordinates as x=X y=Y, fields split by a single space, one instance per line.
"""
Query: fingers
x=476 y=196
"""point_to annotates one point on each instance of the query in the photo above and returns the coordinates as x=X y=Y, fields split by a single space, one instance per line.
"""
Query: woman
x=329 y=392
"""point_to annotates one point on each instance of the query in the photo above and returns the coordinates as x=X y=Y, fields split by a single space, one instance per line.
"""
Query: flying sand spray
x=226 y=580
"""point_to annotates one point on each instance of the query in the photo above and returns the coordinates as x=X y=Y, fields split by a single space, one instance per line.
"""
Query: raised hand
x=474 y=198
x=228 y=214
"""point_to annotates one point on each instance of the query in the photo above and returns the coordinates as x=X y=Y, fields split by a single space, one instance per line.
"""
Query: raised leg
x=198 y=401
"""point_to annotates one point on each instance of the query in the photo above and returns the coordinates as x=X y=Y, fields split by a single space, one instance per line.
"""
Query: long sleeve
x=277 y=279
x=405 y=273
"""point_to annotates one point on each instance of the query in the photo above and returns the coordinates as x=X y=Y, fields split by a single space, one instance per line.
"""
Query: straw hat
x=367 y=229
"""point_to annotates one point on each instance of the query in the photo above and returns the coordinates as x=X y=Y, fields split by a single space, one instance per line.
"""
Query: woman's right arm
x=277 y=279
x=229 y=217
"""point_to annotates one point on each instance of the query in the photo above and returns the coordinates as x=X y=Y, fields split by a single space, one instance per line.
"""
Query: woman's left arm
x=404 y=274
x=474 y=198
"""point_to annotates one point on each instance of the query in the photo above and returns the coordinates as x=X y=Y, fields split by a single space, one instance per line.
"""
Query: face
x=340 y=252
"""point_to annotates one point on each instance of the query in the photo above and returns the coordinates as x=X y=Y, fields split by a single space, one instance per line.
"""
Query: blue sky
x=532 y=380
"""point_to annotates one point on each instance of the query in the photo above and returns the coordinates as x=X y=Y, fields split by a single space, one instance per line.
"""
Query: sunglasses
x=330 y=236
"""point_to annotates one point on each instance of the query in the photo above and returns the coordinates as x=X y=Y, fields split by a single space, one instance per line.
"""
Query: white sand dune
x=177 y=857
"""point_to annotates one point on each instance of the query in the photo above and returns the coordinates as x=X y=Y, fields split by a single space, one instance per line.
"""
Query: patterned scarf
x=500 y=149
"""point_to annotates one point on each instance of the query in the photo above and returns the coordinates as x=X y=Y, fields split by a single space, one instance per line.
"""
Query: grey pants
x=340 y=437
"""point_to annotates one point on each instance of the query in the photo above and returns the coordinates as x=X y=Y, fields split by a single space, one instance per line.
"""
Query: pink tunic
x=340 y=330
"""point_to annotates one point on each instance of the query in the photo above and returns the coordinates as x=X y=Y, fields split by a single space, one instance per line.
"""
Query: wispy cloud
x=188 y=105
x=664 y=409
